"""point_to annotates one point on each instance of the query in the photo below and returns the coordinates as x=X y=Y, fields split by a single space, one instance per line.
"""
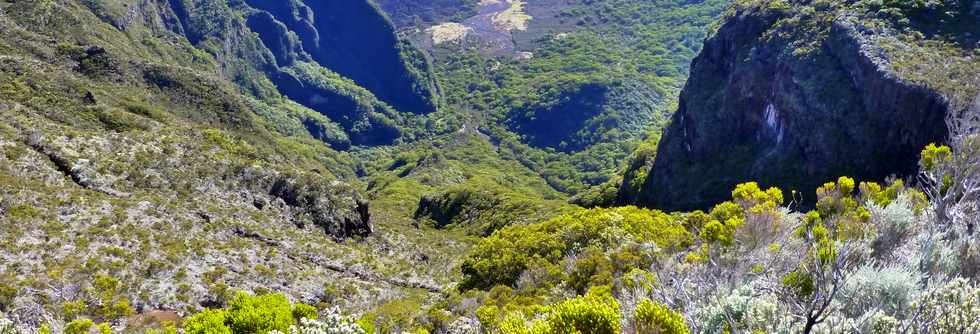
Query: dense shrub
x=653 y=318
x=502 y=257
x=207 y=322
x=890 y=289
x=744 y=310
x=250 y=314
x=595 y=313
x=259 y=314
x=79 y=326
x=954 y=308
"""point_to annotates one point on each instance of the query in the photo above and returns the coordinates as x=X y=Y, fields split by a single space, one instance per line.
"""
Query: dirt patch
x=512 y=18
x=448 y=32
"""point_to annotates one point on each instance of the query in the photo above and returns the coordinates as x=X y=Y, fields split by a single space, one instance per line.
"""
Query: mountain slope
x=272 y=48
x=169 y=173
x=581 y=86
x=794 y=96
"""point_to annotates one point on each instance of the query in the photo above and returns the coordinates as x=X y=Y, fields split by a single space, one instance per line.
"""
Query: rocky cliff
x=352 y=38
x=792 y=96
x=341 y=59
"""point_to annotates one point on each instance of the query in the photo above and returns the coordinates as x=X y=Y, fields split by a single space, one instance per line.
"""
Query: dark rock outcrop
x=755 y=110
x=328 y=206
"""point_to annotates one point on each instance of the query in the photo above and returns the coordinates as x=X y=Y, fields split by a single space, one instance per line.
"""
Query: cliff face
x=354 y=39
x=790 y=106
x=339 y=58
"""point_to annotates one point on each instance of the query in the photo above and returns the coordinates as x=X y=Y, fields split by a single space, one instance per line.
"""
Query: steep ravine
x=356 y=40
x=757 y=109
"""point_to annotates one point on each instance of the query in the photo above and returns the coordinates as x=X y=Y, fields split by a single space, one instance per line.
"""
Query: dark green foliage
x=405 y=13
x=483 y=207
x=388 y=67
x=581 y=103
x=367 y=120
x=7 y=294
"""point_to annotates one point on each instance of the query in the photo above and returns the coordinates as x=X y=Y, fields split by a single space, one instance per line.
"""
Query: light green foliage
x=838 y=207
x=301 y=311
x=207 y=322
x=227 y=143
x=751 y=208
x=104 y=328
x=655 y=318
x=933 y=160
x=72 y=309
x=883 y=196
x=502 y=257
x=168 y=328
x=111 y=303
x=250 y=314
x=79 y=326
x=595 y=313
x=259 y=314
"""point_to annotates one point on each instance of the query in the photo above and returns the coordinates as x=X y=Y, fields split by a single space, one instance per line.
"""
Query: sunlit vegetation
x=595 y=91
x=138 y=172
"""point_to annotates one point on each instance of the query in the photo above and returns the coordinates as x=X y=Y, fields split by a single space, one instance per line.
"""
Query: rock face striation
x=790 y=106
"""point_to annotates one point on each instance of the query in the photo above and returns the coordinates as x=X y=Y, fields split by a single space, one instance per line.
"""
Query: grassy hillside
x=143 y=175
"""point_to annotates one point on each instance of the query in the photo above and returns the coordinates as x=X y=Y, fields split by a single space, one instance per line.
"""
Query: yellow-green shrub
x=259 y=314
x=503 y=256
x=79 y=326
x=250 y=314
x=595 y=313
x=654 y=318
x=207 y=322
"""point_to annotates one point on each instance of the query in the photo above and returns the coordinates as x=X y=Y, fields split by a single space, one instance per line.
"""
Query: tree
x=834 y=237
x=950 y=175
